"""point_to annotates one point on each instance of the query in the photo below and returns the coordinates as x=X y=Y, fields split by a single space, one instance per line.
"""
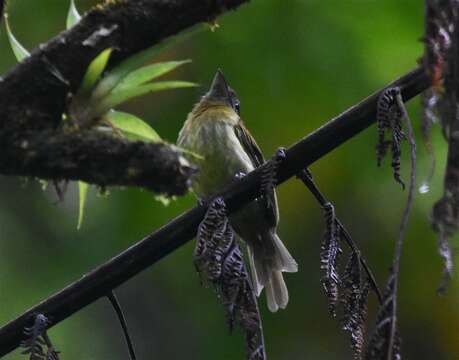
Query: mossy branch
x=34 y=95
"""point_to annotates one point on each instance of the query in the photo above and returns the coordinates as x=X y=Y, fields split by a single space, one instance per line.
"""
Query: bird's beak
x=219 y=87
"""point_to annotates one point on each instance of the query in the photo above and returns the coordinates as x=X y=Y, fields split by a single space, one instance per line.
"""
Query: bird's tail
x=268 y=259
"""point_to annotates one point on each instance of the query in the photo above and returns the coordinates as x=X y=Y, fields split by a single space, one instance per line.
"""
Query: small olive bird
x=215 y=130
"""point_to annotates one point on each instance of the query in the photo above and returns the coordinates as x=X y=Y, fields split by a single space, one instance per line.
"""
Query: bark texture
x=33 y=97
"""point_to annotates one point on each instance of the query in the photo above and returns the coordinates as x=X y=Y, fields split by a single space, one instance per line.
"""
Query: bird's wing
x=249 y=145
x=269 y=200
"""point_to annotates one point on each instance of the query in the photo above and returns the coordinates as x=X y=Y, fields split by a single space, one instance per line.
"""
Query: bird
x=214 y=129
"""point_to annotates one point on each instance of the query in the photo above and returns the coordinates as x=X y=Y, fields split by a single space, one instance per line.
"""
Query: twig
x=385 y=340
x=119 y=313
x=404 y=221
x=162 y=242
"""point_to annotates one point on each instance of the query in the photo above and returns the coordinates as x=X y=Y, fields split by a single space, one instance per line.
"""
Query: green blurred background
x=295 y=64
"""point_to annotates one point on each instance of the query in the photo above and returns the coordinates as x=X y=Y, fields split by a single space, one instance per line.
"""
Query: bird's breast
x=223 y=155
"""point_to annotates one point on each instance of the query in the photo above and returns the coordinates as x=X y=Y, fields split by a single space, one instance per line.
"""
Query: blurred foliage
x=294 y=65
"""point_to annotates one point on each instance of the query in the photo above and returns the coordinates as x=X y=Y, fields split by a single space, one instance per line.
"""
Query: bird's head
x=221 y=94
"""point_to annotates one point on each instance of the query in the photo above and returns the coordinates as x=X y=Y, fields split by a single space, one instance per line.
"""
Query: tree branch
x=98 y=158
x=33 y=97
x=138 y=257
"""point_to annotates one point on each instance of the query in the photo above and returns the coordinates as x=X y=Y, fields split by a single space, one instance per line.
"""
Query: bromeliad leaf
x=119 y=96
x=148 y=73
x=73 y=16
x=95 y=69
x=114 y=77
x=83 y=193
x=20 y=52
x=133 y=126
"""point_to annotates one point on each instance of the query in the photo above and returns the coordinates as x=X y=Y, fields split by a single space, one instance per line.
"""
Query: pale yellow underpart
x=209 y=131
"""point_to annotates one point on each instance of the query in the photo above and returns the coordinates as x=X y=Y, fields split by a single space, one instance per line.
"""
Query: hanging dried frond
x=268 y=180
x=354 y=299
x=385 y=342
x=219 y=261
x=349 y=290
x=441 y=60
x=52 y=354
x=445 y=223
x=268 y=185
x=37 y=340
x=34 y=342
x=388 y=116
x=208 y=235
x=329 y=256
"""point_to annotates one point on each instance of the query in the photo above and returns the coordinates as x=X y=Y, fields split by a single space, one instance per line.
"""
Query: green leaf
x=73 y=16
x=95 y=69
x=132 y=125
x=19 y=51
x=122 y=95
x=114 y=77
x=83 y=190
x=148 y=73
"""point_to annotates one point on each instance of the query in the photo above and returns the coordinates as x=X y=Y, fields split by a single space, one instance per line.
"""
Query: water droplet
x=424 y=188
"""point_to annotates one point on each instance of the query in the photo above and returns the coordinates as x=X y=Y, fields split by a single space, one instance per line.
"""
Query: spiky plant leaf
x=148 y=73
x=117 y=74
x=73 y=16
x=95 y=69
x=20 y=52
x=133 y=126
x=119 y=96
x=83 y=193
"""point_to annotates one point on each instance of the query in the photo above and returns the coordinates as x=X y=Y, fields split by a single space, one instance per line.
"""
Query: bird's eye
x=237 y=107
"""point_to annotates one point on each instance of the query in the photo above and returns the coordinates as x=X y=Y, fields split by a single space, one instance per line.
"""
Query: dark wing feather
x=249 y=145
x=269 y=200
